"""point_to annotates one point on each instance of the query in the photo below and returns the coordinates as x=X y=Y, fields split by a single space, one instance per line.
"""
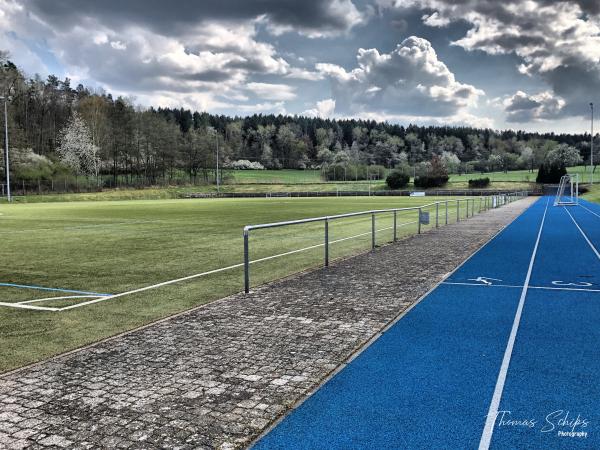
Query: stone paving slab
x=217 y=376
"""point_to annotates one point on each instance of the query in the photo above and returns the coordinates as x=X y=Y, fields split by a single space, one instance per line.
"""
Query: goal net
x=568 y=190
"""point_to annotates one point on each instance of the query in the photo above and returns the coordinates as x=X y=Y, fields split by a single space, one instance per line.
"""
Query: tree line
x=58 y=130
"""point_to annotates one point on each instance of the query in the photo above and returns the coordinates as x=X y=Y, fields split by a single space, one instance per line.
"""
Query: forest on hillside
x=58 y=130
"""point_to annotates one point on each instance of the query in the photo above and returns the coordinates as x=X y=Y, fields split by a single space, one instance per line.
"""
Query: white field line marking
x=81 y=227
x=59 y=298
x=583 y=234
x=50 y=289
x=222 y=269
x=521 y=287
x=596 y=214
x=177 y=280
x=488 y=429
x=39 y=308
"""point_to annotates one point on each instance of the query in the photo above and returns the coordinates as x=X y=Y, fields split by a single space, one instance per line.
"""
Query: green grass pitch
x=117 y=246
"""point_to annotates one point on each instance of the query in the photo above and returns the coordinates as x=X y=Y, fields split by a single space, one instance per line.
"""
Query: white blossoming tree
x=76 y=148
x=451 y=161
x=565 y=155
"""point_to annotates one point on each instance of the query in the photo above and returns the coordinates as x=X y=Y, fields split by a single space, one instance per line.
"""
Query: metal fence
x=433 y=215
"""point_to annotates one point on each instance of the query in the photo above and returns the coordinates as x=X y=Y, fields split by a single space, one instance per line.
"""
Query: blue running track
x=504 y=354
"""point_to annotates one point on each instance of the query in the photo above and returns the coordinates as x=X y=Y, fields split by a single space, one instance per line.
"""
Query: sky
x=531 y=65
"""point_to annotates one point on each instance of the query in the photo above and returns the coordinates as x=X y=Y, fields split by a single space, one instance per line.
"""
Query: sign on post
x=424 y=217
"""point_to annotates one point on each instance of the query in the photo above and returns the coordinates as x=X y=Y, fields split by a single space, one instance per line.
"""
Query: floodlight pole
x=592 y=146
x=6 y=161
x=217 y=139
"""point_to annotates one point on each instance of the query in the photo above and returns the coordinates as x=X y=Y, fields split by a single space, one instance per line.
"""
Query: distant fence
x=84 y=184
x=429 y=193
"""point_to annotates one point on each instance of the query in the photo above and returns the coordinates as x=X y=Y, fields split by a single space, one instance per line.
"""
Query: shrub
x=479 y=182
x=550 y=173
x=27 y=165
x=397 y=179
x=429 y=181
x=244 y=164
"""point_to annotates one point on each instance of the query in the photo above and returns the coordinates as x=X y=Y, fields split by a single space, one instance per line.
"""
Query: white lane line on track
x=488 y=429
x=583 y=234
x=521 y=287
x=588 y=209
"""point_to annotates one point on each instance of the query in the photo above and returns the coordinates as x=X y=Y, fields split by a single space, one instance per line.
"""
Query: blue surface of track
x=429 y=380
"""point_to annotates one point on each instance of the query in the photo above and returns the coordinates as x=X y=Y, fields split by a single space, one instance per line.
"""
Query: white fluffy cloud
x=409 y=80
x=271 y=91
x=462 y=118
x=324 y=108
x=558 y=42
x=522 y=107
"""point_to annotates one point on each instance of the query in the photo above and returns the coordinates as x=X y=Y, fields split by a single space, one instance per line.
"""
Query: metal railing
x=482 y=203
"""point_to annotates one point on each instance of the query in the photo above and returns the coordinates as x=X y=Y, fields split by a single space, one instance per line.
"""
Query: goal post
x=568 y=190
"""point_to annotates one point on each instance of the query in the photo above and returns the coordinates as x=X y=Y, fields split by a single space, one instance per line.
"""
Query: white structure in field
x=568 y=190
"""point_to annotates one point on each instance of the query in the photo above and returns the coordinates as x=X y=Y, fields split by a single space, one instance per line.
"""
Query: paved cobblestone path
x=217 y=376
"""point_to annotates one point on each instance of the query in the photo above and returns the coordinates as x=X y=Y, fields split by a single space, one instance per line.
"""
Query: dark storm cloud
x=206 y=49
x=580 y=85
x=176 y=17
x=521 y=103
x=211 y=76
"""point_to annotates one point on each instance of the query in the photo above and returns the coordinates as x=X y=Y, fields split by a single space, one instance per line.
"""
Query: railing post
x=446 y=212
x=458 y=210
x=395 y=221
x=246 y=263
x=372 y=230
x=419 y=222
x=437 y=215
x=326 y=242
